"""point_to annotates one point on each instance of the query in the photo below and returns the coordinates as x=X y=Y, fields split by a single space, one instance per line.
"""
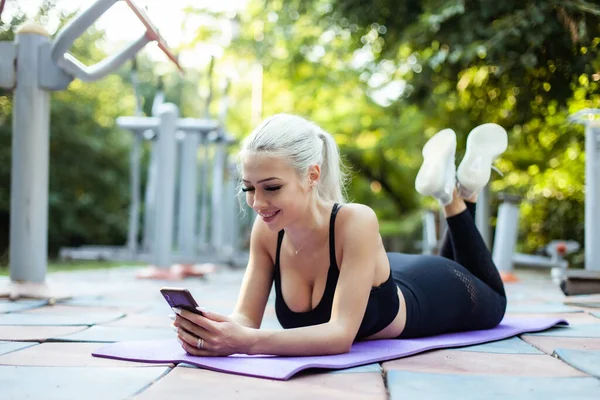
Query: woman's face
x=274 y=190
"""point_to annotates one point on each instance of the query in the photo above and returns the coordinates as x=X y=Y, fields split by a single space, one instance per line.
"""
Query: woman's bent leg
x=442 y=296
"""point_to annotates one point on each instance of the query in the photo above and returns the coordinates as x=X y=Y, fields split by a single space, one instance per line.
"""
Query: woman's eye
x=245 y=189
x=272 y=188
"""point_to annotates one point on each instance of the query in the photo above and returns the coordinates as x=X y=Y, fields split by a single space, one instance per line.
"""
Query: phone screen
x=180 y=298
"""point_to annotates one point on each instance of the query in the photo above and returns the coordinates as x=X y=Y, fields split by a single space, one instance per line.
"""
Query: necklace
x=299 y=248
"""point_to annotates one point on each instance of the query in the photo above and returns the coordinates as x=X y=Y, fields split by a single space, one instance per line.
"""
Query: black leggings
x=459 y=291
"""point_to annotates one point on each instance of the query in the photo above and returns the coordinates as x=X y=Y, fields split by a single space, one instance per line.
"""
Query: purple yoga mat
x=283 y=368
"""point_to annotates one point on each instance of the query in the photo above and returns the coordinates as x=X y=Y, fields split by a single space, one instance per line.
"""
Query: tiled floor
x=45 y=350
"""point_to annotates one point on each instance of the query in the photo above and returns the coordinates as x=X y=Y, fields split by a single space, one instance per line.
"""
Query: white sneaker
x=437 y=174
x=484 y=144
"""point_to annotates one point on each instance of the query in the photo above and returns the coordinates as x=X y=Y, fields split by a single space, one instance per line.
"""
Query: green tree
x=438 y=64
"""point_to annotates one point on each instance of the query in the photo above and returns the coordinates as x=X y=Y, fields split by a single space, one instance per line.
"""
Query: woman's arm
x=358 y=231
x=359 y=234
x=257 y=281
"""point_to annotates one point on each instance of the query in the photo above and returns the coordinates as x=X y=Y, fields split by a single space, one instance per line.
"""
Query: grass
x=78 y=266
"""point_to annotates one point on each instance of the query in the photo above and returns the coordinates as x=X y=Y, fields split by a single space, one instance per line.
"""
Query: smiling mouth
x=268 y=216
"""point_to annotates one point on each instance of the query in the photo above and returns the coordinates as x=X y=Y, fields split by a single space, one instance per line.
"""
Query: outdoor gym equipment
x=508 y=215
x=505 y=242
x=33 y=66
x=589 y=118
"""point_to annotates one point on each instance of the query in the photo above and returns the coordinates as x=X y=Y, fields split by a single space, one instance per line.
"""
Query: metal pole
x=429 y=239
x=232 y=211
x=217 y=195
x=150 y=199
x=134 y=208
x=30 y=162
x=592 y=196
x=592 y=186
x=507 y=229
x=204 y=193
x=482 y=216
x=188 y=192
x=165 y=195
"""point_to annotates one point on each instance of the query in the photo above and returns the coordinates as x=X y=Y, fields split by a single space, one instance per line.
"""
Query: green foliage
x=385 y=75
x=382 y=76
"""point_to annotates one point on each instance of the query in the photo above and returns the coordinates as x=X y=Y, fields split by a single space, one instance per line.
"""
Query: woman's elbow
x=343 y=342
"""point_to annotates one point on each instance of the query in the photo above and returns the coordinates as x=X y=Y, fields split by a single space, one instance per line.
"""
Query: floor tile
x=8 y=347
x=84 y=318
x=142 y=321
x=36 y=333
x=595 y=304
x=571 y=318
x=20 y=305
x=181 y=382
x=61 y=309
x=61 y=383
x=550 y=343
x=415 y=385
x=512 y=345
x=472 y=363
x=541 y=308
x=375 y=367
x=116 y=334
x=587 y=361
x=582 y=330
x=101 y=302
x=64 y=355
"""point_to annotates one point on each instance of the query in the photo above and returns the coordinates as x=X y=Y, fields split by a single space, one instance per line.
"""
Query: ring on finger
x=200 y=343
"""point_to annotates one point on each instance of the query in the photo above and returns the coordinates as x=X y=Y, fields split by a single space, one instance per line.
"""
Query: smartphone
x=180 y=298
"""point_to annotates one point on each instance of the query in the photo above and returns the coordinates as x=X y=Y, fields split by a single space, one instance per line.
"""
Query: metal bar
x=150 y=199
x=30 y=164
x=505 y=240
x=482 y=216
x=592 y=196
x=429 y=239
x=165 y=185
x=8 y=56
x=134 y=208
x=203 y=228
x=217 y=209
x=591 y=246
x=187 y=125
x=109 y=65
x=135 y=184
x=188 y=194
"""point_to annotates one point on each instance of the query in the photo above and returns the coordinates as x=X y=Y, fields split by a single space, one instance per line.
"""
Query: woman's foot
x=437 y=176
x=484 y=144
x=456 y=206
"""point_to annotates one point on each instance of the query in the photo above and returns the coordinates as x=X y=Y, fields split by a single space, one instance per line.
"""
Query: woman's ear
x=314 y=173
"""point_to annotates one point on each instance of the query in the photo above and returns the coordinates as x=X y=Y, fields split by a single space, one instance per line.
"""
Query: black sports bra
x=381 y=309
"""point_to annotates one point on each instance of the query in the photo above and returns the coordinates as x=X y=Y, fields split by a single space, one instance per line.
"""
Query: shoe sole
x=484 y=144
x=432 y=177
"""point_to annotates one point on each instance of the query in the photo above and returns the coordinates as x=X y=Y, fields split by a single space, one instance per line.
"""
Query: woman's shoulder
x=353 y=215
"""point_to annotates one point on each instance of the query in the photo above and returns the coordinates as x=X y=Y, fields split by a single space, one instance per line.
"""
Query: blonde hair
x=301 y=143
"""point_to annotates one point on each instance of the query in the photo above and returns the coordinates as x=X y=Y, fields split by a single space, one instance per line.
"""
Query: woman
x=334 y=281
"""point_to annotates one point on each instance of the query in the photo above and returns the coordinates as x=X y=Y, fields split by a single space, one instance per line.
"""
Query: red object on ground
x=177 y=272
x=508 y=277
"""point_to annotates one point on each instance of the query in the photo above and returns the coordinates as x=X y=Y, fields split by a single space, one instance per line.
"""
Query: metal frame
x=589 y=118
x=33 y=66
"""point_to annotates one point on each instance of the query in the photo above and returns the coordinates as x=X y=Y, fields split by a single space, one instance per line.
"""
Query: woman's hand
x=211 y=334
